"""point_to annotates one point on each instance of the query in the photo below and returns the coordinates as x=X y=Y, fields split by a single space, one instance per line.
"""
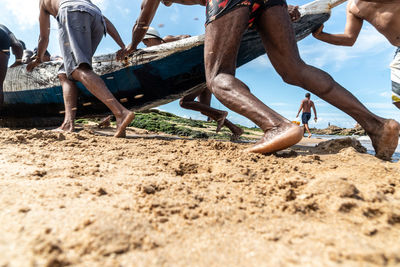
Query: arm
x=17 y=50
x=44 y=21
x=112 y=31
x=351 y=31
x=147 y=12
x=315 y=111
x=170 y=38
x=301 y=107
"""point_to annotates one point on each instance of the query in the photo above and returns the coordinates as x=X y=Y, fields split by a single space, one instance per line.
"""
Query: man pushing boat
x=81 y=28
x=384 y=15
x=7 y=40
x=226 y=22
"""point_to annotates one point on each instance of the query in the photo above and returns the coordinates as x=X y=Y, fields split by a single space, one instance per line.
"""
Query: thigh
x=276 y=31
x=222 y=42
x=3 y=67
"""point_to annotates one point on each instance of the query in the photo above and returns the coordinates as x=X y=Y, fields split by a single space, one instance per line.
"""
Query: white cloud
x=370 y=42
x=260 y=62
x=24 y=13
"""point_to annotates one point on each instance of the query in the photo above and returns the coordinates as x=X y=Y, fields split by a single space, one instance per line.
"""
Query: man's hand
x=318 y=31
x=294 y=12
x=33 y=64
x=123 y=53
x=315 y=119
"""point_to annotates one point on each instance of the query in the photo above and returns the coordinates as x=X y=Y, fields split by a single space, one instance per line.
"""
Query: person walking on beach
x=226 y=22
x=7 y=40
x=305 y=106
x=81 y=28
x=384 y=15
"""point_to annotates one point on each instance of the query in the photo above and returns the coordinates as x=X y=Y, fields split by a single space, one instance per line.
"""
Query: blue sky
x=363 y=69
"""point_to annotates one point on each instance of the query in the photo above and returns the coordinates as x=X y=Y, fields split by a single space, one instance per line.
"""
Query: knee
x=292 y=74
x=221 y=82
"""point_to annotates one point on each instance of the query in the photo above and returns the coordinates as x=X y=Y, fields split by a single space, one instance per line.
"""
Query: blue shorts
x=305 y=117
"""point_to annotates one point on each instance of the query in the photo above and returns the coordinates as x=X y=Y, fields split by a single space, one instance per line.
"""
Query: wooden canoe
x=149 y=78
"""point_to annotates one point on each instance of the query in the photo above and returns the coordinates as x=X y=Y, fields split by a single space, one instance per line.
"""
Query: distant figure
x=305 y=106
x=7 y=40
x=79 y=34
x=385 y=17
x=151 y=38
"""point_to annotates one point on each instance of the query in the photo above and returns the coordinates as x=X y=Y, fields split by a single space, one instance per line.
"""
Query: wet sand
x=86 y=199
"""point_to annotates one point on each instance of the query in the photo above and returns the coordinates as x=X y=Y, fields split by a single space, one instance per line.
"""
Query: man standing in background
x=305 y=106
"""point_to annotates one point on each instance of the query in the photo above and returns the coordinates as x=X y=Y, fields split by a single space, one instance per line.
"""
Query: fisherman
x=226 y=22
x=81 y=28
x=7 y=40
x=151 y=38
x=305 y=106
x=384 y=15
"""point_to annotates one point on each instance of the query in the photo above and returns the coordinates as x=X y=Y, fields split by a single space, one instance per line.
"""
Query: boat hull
x=150 y=78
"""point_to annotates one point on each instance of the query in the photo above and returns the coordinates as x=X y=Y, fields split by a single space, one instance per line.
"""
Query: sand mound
x=334 y=146
x=84 y=199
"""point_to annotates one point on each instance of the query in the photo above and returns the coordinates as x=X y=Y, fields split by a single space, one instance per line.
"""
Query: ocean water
x=365 y=141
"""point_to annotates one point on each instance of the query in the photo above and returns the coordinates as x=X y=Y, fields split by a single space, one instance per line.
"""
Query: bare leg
x=278 y=37
x=308 y=130
x=218 y=115
x=3 y=71
x=397 y=104
x=99 y=89
x=205 y=98
x=222 y=42
x=70 y=94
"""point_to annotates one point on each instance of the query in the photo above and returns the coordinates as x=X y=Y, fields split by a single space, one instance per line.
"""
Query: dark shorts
x=218 y=8
x=5 y=42
x=305 y=117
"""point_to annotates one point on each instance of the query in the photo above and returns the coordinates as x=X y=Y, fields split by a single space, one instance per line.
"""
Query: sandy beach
x=87 y=199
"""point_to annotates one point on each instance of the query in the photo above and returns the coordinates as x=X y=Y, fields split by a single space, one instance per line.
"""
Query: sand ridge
x=84 y=199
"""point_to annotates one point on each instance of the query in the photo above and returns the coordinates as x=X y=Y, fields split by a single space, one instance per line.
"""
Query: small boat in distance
x=149 y=78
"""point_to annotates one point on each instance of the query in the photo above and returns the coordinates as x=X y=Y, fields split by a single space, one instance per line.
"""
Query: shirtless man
x=227 y=20
x=306 y=105
x=384 y=15
x=81 y=28
x=7 y=40
x=152 y=38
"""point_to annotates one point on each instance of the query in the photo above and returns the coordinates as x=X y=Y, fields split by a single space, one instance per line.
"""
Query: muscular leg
x=222 y=42
x=204 y=107
x=3 y=72
x=70 y=94
x=99 y=89
x=278 y=37
x=205 y=98
x=189 y=103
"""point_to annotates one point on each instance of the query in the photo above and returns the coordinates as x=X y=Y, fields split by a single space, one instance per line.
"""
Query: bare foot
x=65 y=127
x=309 y=136
x=385 y=142
x=278 y=138
x=236 y=134
x=221 y=121
x=124 y=122
x=105 y=123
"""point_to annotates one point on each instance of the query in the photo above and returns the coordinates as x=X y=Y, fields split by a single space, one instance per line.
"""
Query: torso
x=307 y=104
x=384 y=16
